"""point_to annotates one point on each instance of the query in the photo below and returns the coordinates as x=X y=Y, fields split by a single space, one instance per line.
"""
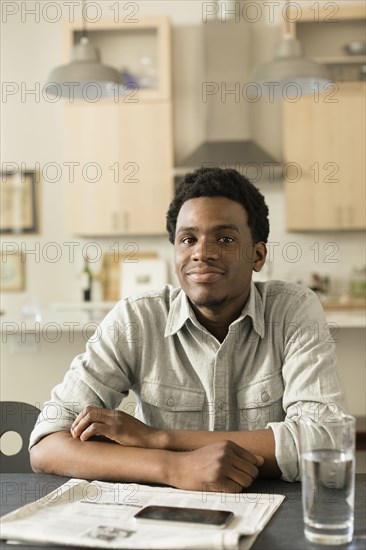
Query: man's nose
x=205 y=251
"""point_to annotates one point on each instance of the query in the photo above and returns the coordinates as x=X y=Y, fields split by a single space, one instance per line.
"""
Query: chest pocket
x=174 y=408
x=260 y=403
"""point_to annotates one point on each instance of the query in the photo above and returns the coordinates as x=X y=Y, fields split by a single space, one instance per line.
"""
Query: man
x=222 y=368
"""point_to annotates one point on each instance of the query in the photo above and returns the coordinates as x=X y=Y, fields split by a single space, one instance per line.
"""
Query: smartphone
x=171 y=515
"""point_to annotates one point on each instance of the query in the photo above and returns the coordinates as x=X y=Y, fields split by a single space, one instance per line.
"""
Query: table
x=283 y=532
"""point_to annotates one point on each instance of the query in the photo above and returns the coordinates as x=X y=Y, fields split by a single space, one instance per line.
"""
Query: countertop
x=85 y=316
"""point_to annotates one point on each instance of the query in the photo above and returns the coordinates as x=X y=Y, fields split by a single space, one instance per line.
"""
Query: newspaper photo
x=101 y=515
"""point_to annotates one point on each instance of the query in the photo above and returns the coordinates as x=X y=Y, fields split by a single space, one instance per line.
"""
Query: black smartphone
x=172 y=515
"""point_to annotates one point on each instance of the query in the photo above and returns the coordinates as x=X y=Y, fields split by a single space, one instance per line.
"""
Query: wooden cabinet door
x=352 y=147
x=146 y=152
x=91 y=142
x=326 y=141
x=127 y=150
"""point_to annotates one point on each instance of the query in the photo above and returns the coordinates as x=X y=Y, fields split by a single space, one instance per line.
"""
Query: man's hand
x=222 y=466
x=114 y=425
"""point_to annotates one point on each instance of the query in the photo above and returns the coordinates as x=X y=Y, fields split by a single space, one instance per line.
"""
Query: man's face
x=214 y=252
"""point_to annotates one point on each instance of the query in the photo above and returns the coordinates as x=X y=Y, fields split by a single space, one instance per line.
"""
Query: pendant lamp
x=84 y=77
x=290 y=70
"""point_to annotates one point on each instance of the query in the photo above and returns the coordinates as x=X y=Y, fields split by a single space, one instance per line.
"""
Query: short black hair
x=219 y=182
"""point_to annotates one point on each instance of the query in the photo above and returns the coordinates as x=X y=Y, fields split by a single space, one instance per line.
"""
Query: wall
x=33 y=132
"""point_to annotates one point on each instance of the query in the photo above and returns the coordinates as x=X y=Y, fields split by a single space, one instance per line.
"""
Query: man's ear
x=260 y=254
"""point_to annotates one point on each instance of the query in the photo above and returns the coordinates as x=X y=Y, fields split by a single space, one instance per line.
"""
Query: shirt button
x=265 y=396
x=171 y=402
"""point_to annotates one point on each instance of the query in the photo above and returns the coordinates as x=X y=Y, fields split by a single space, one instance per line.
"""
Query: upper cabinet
x=324 y=146
x=122 y=147
x=324 y=133
x=137 y=48
x=332 y=33
x=125 y=152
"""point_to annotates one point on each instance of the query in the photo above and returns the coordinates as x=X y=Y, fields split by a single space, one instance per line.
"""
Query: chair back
x=18 y=417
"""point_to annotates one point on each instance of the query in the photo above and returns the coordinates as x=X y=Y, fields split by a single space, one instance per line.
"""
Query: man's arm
x=221 y=466
x=59 y=453
x=128 y=431
x=258 y=442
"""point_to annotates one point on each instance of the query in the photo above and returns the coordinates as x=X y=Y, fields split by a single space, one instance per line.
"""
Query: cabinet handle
x=125 y=220
x=350 y=216
x=115 y=219
x=339 y=216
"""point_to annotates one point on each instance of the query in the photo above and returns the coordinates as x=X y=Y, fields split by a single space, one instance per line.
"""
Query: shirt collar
x=254 y=308
x=178 y=314
x=181 y=310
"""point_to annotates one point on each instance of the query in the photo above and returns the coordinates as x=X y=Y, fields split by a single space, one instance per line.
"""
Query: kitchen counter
x=91 y=314
x=347 y=318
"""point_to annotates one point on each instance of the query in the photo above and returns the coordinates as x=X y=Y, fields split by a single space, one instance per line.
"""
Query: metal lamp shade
x=290 y=73
x=84 y=77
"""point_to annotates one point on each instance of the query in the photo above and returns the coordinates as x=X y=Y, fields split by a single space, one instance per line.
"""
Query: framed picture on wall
x=18 y=211
x=11 y=272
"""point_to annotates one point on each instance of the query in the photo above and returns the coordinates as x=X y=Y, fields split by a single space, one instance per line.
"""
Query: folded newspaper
x=101 y=515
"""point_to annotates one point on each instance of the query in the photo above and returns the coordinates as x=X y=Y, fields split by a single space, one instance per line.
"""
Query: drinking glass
x=328 y=478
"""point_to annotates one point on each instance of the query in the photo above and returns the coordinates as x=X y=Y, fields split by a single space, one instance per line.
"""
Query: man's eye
x=226 y=240
x=188 y=240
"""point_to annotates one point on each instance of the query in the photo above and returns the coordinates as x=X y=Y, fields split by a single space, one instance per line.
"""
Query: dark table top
x=284 y=530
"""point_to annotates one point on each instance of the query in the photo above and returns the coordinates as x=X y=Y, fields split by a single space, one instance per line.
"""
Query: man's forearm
x=130 y=432
x=219 y=466
x=258 y=442
x=59 y=453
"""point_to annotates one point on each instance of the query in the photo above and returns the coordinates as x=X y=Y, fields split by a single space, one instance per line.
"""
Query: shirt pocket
x=172 y=408
x=260 y=402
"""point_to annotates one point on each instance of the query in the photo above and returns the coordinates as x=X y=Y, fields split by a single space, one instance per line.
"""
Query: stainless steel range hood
x=215 y=123
x=243 y=155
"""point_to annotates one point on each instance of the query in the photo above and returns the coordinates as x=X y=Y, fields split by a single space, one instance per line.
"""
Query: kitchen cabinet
x=123 y=155
x=120 y=150
x=324 y=133
x=324 y=143
x=325 y=29
x=141 y=46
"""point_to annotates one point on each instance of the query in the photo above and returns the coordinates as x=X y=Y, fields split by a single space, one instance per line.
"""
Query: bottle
x=86 y=280
x=358 y=283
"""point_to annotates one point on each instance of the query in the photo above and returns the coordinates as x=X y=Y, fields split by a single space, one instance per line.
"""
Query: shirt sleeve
x=101 y=376
x=312 y=387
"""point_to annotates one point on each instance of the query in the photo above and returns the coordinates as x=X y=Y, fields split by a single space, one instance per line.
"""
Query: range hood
x=246 y=156
x=213 y=119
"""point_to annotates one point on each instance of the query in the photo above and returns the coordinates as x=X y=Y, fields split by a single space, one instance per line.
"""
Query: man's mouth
x=205 y=276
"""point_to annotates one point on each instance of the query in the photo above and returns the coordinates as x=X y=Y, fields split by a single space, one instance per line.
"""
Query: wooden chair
x=18 y=417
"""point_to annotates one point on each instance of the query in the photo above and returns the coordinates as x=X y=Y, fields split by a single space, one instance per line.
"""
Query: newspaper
x=100 y=515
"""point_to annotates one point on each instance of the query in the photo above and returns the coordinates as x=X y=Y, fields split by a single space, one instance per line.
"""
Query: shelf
x=342 y=60
x=337 y=304
x=324 y=30
x=123 y=45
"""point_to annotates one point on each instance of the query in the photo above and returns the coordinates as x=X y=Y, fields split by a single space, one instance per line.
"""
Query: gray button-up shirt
x=276 y=364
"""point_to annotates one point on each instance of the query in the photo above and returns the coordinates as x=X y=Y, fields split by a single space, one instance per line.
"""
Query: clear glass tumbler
x=328 y=478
